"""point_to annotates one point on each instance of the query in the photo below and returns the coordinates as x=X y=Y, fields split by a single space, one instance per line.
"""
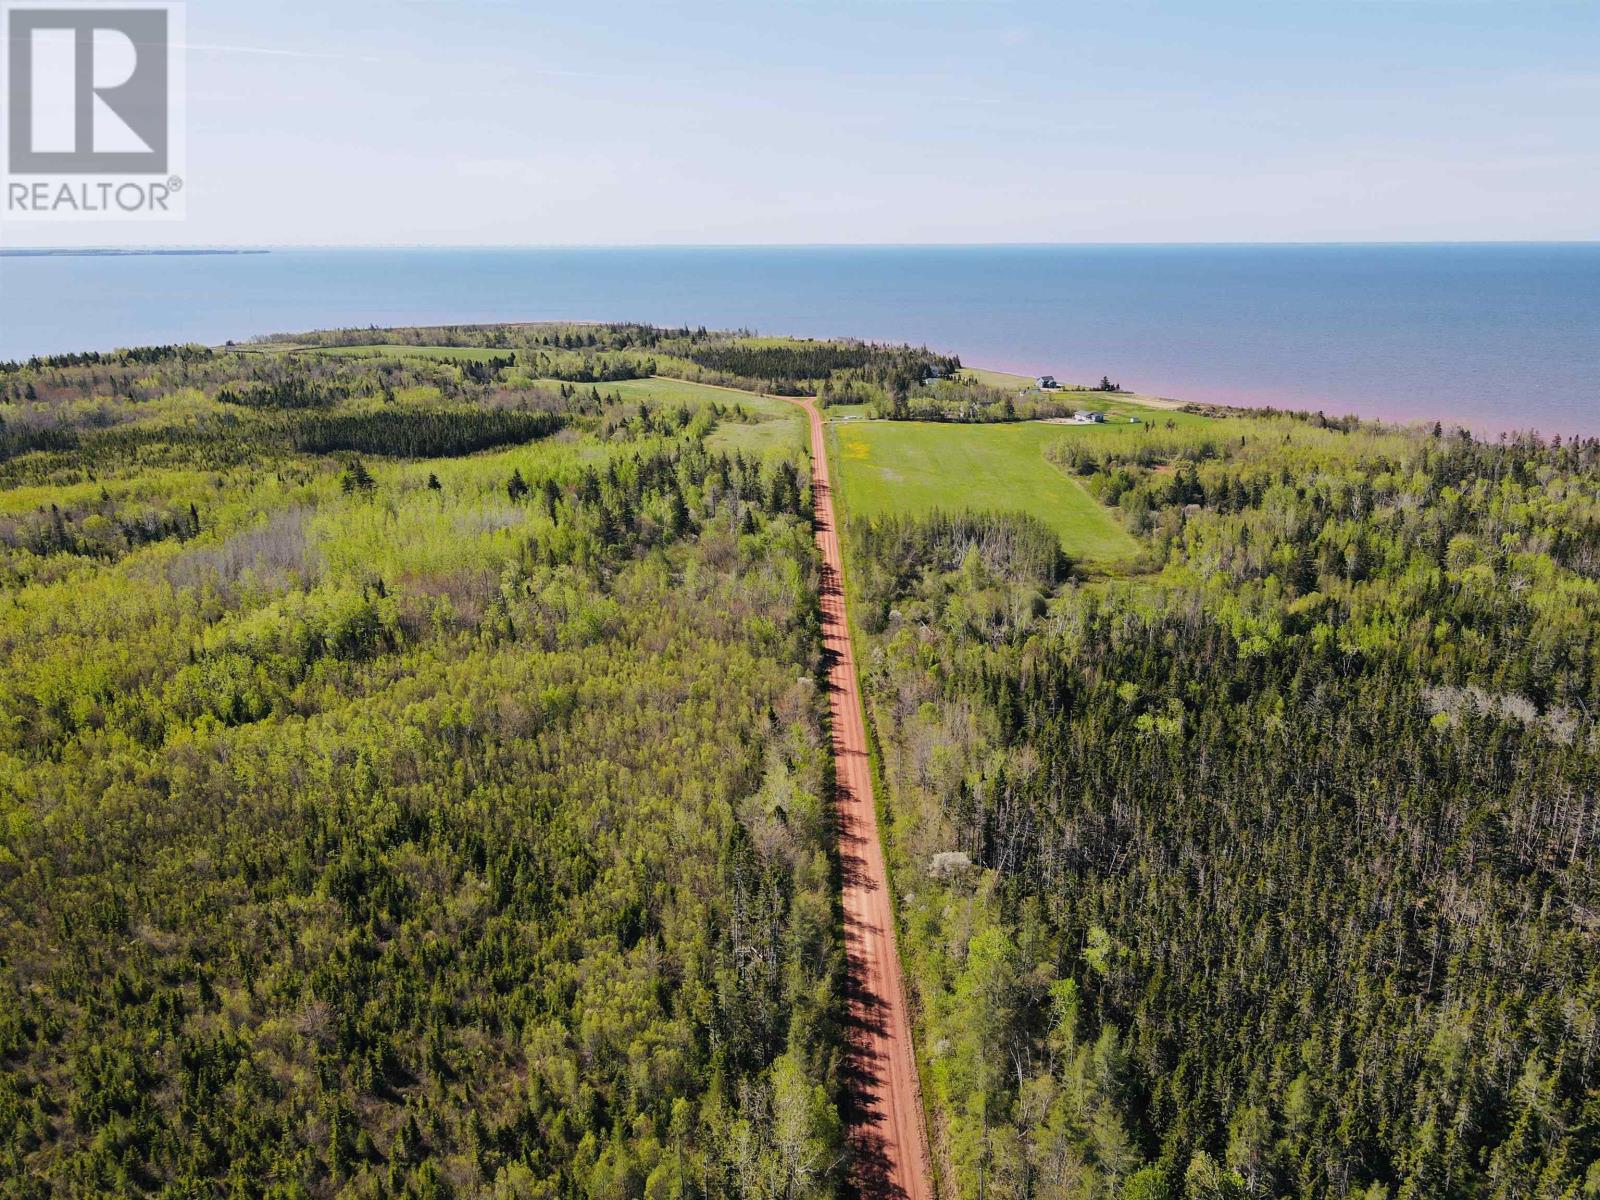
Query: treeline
x=226 y=408
x=966 y=401
x=419 y=433
x=17 y=438
x=588 y=368
x=41 y=453
x=488 y=370
x=892 y=552
x=1273 y=873
x=104 y=529
x=547 y=335
x=551 y=335
x=792 y=363
x=292 y=392
x=137 y=355
x=842 y=371
x=836 y=371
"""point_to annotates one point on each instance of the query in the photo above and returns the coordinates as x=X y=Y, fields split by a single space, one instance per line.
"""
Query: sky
x=364 y=122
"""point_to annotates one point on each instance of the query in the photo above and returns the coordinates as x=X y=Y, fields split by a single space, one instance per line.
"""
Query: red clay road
x=885 y=1125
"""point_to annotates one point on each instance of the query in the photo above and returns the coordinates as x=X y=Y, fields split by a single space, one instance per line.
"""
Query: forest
x=1265 y=864
x=840 y=370
x=412 y=784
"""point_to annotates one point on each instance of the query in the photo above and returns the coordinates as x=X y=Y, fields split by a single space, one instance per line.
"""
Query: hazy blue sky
x=470 y=121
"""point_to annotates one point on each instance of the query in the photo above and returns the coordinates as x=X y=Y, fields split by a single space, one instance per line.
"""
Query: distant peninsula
x=116 y=252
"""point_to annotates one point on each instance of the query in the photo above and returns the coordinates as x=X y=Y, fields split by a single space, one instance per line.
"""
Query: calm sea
x=1499 y=337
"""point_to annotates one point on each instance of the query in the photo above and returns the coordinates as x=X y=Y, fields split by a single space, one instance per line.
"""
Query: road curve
x=885 y=1125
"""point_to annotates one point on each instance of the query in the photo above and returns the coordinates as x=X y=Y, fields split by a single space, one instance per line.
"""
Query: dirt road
x=885 y=1124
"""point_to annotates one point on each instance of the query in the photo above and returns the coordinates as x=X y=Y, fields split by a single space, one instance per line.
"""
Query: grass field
x=779 y=425
x=760 y=436
x=998 y=379
x=663 y=389
x=903 y=466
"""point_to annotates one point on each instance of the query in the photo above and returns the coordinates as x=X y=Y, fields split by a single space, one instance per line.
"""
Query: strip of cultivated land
x=912 y=467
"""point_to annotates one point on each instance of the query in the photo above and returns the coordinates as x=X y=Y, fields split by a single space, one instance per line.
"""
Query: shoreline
x=998 y=378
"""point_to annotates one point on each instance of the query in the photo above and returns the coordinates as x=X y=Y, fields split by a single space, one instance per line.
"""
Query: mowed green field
x=778 y=425
x=998 y=379
x=906 y=466
x=663 y=389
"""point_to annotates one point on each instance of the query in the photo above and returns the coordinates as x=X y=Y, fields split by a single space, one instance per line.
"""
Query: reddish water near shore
x=1494 y=336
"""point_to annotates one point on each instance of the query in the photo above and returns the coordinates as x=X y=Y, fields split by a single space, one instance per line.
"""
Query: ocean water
x=1494 y=336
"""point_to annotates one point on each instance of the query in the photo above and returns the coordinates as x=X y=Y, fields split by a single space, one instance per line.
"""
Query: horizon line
x=237 y=247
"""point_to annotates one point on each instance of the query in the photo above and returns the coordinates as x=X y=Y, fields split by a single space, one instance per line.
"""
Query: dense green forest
x=836 y=370
x=1267 y=865
x=412 y=783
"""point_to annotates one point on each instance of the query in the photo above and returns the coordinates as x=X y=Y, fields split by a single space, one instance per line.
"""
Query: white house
x=1090 y=418
x=1047 y=383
